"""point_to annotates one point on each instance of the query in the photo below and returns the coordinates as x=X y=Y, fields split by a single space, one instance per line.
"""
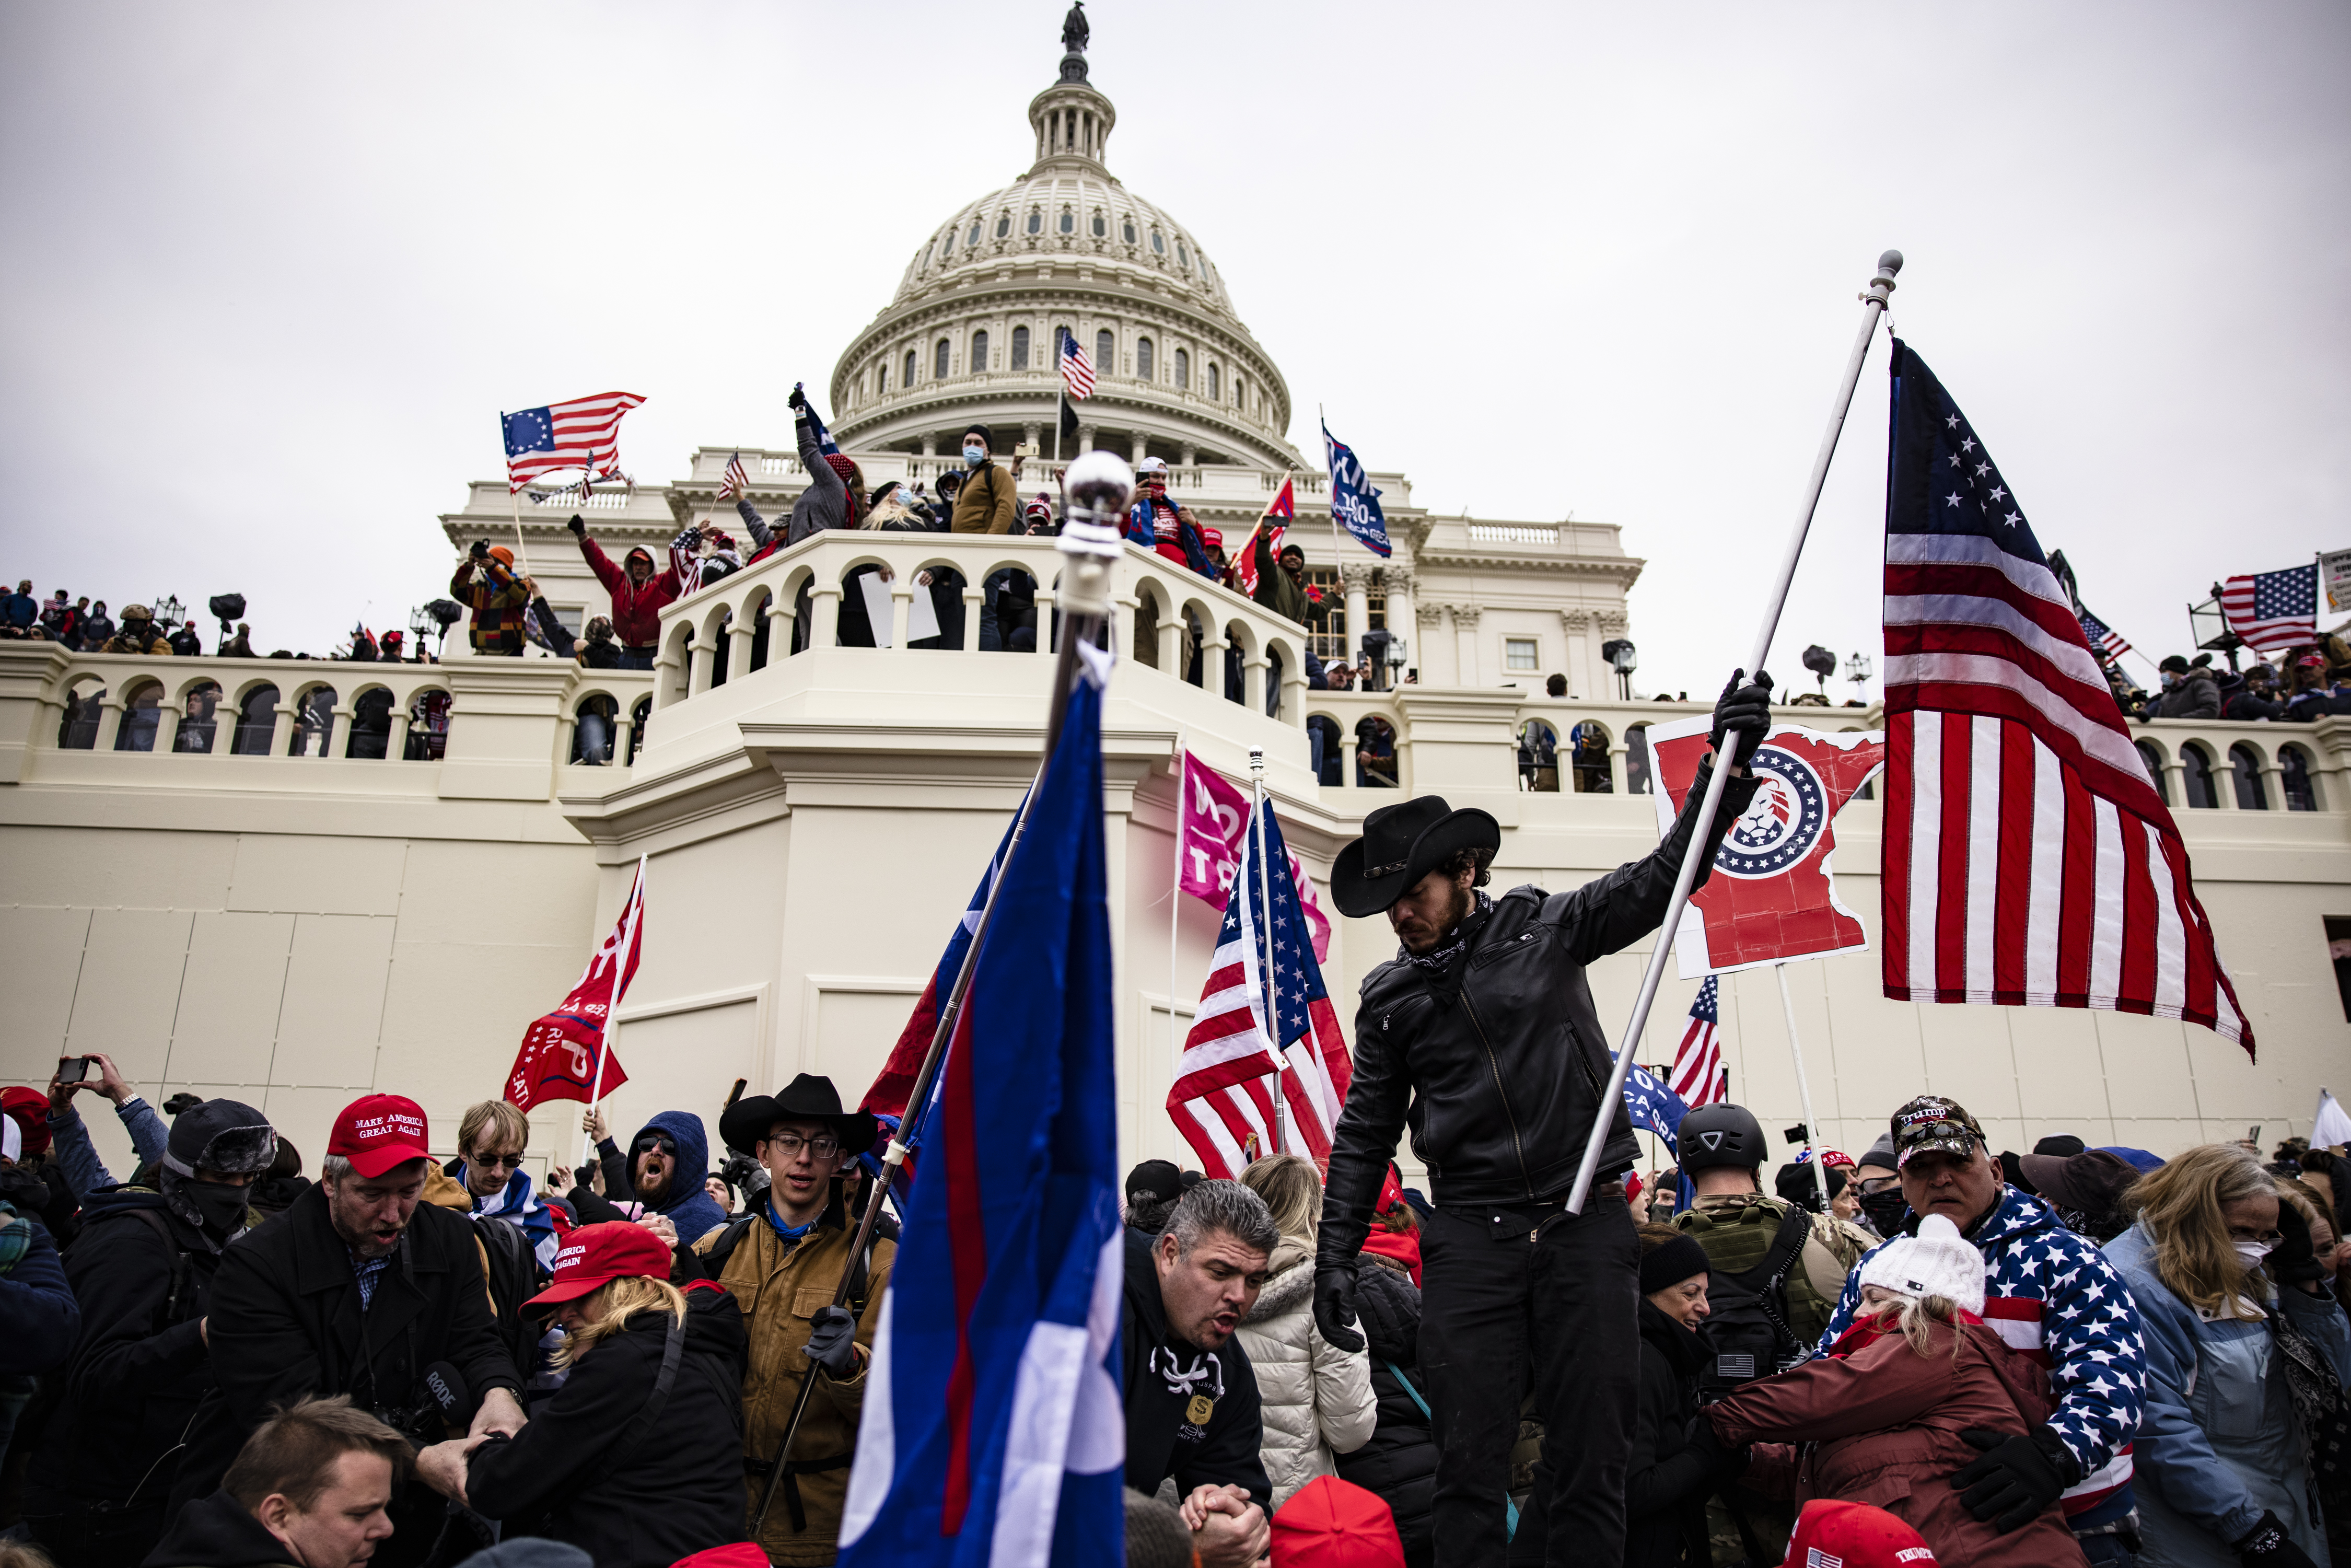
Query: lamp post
x=1622 y=658
x=1856 y=669
x=1395 y=660
x=169 y=610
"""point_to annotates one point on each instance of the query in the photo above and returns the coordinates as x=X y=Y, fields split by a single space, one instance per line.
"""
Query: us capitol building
x=220 y=886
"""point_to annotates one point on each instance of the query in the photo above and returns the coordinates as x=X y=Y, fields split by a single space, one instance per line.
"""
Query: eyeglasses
x=1876 y=1184
x=824 y=1146
x=512 y=1162
x=2264 y=1238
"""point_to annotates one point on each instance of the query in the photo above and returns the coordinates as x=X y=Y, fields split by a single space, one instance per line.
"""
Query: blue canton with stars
x=1296 y=978
x=532 y=430
x=2089 y=1323
x=1940 y=480
x=2282 y=595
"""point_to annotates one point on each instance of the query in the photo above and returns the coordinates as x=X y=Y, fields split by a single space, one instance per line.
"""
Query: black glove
x=1723 y=1462
x=797 y=402
x=2018 y=1476
x=577 y=525
x=2295 y=1262
x=2269 y=1547
x=1745 y=711
x=1334 y=1304
x=833 y=1342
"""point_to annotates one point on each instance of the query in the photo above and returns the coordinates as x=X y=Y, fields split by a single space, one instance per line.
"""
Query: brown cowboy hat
x=807 y=1098
x=1400 y=845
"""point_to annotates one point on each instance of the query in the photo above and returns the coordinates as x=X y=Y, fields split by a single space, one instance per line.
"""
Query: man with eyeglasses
x=784 y=1263
x=490 y=1141
x=2052 y=1295
x=668 y=1159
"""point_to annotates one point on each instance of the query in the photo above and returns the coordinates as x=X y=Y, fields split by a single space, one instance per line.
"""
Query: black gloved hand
x=1723 y=1462
x=2295 y=1262
x=797 y=402
x=2269 y=1547
x=1334 y=1304
x=833 y=1342
x=1745 y=711
x=2018 y=1476
x=577 y=525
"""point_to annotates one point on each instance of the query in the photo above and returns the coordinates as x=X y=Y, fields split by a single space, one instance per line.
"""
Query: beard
x=652 y=1187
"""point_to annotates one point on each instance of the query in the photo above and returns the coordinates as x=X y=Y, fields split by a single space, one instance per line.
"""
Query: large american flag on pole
x=735 y=481
x=2273 y=610
x=1077 y=369
x=1222 y=1100
x=583 y=433
x=2027 y=859
x=1698 y=1077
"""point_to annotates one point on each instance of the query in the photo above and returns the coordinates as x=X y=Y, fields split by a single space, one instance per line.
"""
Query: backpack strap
x=179 y=1261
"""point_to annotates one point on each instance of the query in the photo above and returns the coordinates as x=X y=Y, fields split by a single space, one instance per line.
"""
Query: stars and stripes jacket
x=2053 y=1295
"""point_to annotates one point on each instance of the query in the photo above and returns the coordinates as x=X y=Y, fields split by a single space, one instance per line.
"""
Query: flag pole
x=1092 y=544
x=1268 y=999
x=1873 y=300
x=522 y=557
x=1175 y=893
x=612 y=1004
x=1803 y=1086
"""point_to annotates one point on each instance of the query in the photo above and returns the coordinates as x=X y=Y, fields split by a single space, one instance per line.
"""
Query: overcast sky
x=270 y=271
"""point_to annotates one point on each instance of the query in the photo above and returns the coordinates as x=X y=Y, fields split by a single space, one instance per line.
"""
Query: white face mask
x=2252 y=1253
x=973 y=456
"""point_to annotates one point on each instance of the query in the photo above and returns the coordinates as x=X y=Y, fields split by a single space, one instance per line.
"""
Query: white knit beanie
x=1938 y=1262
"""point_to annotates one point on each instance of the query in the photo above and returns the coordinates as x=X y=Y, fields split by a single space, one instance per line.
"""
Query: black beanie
x=1670 y=1262
x=985 y=433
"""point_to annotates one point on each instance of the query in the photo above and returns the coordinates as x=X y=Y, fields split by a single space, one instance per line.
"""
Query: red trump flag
x=565 y=1055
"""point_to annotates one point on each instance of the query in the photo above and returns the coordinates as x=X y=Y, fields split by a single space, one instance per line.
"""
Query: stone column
x=1139 y=443
x=1577 y=626
x=1212 y=661
x=337 y=742
x=1171 y=645
x=281 y=732
x=930 y=444
x=1607 y=623
x=1464 y=643
x=1428 y=618
x=396 y=745
x=1085 y=438
x=1046 y=596
x=1031 y=431
x=739 y=634
x=1294 y=694
x=1186 y=456
x=824 y=607
x=1355 y=578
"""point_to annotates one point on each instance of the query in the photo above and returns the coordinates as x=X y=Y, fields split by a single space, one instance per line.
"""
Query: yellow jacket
x=781 y=1286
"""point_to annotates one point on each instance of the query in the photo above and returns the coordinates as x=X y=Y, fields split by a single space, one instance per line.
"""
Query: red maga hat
x=1332 y=1523
x=596 y=1254
x=1856 y=1535
x=377 y=1132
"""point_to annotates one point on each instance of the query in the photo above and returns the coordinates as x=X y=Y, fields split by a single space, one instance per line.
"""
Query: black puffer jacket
x=1666 y=1484
x=591 y=1470
x=1399 y=1463
x=1500 y=1078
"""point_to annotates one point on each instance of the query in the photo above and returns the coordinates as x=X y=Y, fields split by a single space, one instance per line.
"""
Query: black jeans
x=1562 y=1306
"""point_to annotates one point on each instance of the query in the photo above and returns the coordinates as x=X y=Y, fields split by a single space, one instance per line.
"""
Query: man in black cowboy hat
x=790 y=1253
x=1480 y=1034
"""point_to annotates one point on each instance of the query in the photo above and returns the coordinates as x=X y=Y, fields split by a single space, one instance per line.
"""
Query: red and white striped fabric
x=1077 y=368
x=735 y=481
x=2027 y=859
x=1222 y=1100
x=583 y=433
x=1697 y=1076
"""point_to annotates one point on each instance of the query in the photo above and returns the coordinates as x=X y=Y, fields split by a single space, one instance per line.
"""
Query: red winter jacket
x=636 y=612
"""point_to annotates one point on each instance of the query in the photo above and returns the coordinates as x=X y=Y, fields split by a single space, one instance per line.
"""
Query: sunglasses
x=646 y=1146
x=512 y=1162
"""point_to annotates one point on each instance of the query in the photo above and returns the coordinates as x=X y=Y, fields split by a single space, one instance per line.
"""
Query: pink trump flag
x=1214 y=822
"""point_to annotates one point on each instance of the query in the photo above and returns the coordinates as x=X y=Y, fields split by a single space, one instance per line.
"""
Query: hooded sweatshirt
x=689 y=1208
x=636 y=612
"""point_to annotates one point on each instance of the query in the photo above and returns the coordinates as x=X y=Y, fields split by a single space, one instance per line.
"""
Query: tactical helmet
x=1722 y=1135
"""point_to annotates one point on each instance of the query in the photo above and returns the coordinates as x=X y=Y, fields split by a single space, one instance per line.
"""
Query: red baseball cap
x=30 y=1108
x=734 y=1554
x=377 y=1132
x=596 y=1254
x=1332 y=1523
x=1856 y=1535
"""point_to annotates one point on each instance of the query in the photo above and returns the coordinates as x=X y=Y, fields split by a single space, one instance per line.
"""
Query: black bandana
x=1439 y=962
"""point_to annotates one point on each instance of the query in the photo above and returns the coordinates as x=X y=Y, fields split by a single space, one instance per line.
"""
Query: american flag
x=2027 y=859
x=1077 y=370
x=2103 y=636
x=736 y=481
x=2273 y=610
x=1699 y=1076
x=583 y=433
x=1221 y=1101
x=1280 y=513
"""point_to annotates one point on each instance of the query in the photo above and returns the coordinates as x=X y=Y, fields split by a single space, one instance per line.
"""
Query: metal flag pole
x=1803 y=1087
x=611 y=1006
x=1873 y=300
x=1266 y=994
x=1175 y=896
x=1099 y=484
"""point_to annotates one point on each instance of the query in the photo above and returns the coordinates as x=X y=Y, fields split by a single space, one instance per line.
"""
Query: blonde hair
x=609 y=1308
x=2180 y=1205
x=1917 y=1317
x=510 y=1123
x=1292 y=1190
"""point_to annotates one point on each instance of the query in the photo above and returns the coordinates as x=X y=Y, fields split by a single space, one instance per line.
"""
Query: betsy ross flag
x=565 y=1055
x=1276 y=519
x=1698 y=1078
x=993 y=1430
x=1222 y=1101
x=2028 y=860
x=584 y=433
x=736 y=481
x=2273 y=610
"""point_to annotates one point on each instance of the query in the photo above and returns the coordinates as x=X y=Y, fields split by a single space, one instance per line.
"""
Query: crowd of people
x=2302 y=685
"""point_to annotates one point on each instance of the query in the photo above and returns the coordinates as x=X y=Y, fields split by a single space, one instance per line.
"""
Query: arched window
x=881 y=378
x=1068 y=221
x=1102 y=225
x=973 y=237
x=1538 y=758
x=2246 y=764
x=2152 y=759
x=257 y=718
x=940 y=373
x=142 y=714
x=1004 y=225
x=1127 y=229
x=1241 y=393
x=1212 y=381
x=908 y=378
x=1636 y=759
x=371 y=724
x=946 y=244
x=1183 y=371
x=77 y=731
x=1324 y=731
x=1105 y=353
x=428 y=725
x=1019 y=348
x=314 y=724
x=2301 y=788
x=2199 y=777
x=1182 y=256
x=979 y=351
x=1143 y=357
x=198 y=722
x=1036 y=222
x=639 y=717
x=1158 y=246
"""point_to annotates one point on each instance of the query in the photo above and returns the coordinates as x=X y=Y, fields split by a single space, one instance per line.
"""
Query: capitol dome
x=970 y=334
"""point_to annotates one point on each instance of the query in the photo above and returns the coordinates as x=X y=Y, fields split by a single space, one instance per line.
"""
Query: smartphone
x=1026 y=449
x=73 y=1069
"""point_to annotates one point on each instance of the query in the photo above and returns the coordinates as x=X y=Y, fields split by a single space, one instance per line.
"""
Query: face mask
x=222 y=1205
x=1155 y=486
x=902 y=496
x=2252 y=1253
x=973 y=456
x=1886 y=1210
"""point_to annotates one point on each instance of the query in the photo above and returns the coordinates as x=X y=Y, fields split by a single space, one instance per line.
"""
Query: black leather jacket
x=1501 y=1084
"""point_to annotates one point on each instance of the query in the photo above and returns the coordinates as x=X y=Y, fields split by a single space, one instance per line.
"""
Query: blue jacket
x=689 y=1208
x=39 y=1318
x=1141 y=530
x=2050 y=1294
x=2219 y=1444
x=85 y=1173
x=19 y=609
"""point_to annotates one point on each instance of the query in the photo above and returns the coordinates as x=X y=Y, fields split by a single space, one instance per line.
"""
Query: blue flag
x=824 y=442
x=1353 y=500
x=994 y=1431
